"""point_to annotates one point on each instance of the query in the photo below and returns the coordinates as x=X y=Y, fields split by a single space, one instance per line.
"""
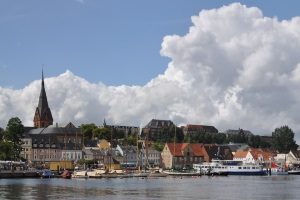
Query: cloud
x=234 y=68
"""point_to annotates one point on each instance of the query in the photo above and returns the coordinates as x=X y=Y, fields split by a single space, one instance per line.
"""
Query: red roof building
x=181 y=155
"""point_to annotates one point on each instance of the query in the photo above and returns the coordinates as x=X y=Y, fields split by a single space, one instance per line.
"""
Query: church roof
x=54 y=130
x=43 y=107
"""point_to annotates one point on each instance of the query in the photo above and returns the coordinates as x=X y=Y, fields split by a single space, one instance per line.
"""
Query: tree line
x=282 y=138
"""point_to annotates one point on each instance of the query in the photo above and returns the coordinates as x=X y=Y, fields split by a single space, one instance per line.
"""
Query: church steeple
x=42 y=116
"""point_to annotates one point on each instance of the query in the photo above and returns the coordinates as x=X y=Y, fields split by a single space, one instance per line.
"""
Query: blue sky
x=115 y=42
x=211 y=62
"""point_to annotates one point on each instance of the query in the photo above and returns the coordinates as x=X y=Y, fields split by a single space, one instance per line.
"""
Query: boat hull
x=294 y=172
x=229 y=167
x=247 y=173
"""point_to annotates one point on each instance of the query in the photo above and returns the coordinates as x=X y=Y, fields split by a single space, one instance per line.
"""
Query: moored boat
x=277 y=170
x=157 y=173
x=295 y=171
x=96 y=173
x=229 y=167
x=66 y=174
x=181 y=173
x=80 y=174
x=46 y=173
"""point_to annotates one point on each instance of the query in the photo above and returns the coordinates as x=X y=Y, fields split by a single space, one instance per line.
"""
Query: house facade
x=216 y=152
x=54 y=144
x=192 y=129
x=156 y=127
x=181 y=155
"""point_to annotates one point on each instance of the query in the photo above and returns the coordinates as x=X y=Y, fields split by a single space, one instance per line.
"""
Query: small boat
x=66 y=174
x=46 y=173
x=277 y=170
x=80 y=174
x=96 y=173
x=156 y=173
x=182 y=173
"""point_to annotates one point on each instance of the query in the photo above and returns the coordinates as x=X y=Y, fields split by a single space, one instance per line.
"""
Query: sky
x=223 y=63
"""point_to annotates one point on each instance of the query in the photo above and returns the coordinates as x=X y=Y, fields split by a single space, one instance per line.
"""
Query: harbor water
x=230 y=187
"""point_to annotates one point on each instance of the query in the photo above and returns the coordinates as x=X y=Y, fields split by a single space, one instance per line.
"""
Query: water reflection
x=231 y=187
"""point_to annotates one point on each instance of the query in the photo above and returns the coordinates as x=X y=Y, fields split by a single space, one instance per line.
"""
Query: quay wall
x=19 y=174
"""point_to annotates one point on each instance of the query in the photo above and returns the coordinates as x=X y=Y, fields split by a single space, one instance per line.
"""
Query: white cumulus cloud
x=234 y=68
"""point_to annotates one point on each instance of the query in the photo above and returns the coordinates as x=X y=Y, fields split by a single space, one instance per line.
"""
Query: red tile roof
x=256 y=153
x=240 y=154
x=177 y=149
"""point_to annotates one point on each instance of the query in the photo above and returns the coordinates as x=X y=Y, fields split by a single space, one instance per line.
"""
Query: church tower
x=42 y=117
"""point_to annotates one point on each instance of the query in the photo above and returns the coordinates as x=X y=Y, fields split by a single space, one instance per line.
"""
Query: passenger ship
x=230 y=167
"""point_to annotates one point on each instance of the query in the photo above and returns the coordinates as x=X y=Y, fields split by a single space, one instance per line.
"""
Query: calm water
x=231 y=187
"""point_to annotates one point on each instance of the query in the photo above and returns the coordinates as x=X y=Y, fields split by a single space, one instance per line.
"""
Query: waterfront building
x=129 y=154
x=103 y=145
x=292 y=158
x=55 y=143
x=46 y=142
x=216 y=152
x=254 y=156
x=26 y=152
x=234 y=147
x=93 y=154
x=151 y=157
x=181 y=155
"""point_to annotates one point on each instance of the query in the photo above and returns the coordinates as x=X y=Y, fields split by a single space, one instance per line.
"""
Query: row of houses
x=53 y=143
x=46 y=142
x=184 y=155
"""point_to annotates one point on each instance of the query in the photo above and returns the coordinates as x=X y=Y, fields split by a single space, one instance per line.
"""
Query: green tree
x=104 y=133
x=6 y=150
x=87 y=131
x=158 y=146
x=1 y=134
x=13 y=133
x=283 y=139
x=132 y=139
x=254 y=141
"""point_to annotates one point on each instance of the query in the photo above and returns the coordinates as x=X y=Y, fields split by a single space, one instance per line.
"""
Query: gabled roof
x=54 y=130
x=70 y=125
x=177 y=149
x=296 y=153
x=240 y=154
x=157 y=123
x=218 y=152
x=256 y=153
